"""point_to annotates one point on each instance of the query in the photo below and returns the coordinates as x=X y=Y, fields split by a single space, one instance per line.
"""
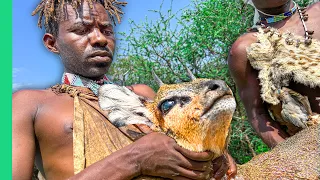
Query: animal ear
x=50 y=43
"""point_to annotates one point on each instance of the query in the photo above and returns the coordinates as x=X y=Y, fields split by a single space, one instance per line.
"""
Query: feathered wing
x=295 y=107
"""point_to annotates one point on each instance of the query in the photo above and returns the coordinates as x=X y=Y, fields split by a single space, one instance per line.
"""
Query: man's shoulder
x=237 y=60
x=143 y=86
x=32 y=93
x=26 y=103
x=238 y=50
x=241 y=44
x=315 y=6
x=32 y=96
x=143 y=90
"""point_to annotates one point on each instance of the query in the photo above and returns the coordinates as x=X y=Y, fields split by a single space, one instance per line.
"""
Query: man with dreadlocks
x=285 y=16
x=63 y=130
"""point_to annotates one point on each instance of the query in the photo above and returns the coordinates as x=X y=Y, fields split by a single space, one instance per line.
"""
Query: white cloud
x=18 y=86
x=15 y=72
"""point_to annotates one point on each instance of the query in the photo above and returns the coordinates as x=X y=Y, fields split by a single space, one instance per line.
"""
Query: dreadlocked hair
x=53 y=10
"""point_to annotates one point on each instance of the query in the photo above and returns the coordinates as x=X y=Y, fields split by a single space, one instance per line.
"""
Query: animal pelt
x=296 y=158
x=124 y=106
x=281 y=58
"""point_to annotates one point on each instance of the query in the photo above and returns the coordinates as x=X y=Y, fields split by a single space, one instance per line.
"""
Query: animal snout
x=217 y=85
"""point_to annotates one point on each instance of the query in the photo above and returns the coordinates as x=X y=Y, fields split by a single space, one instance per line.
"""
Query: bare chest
x=54 y=122
x=54 y=132
x=295 y=25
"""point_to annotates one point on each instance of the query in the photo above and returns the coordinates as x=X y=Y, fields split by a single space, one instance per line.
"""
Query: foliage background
x=198 y=37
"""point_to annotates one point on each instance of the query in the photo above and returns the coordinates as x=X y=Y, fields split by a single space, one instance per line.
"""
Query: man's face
x=85 y=41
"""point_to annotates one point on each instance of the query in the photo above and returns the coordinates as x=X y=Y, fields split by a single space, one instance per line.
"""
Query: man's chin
x=96 y=73
x=102 y=65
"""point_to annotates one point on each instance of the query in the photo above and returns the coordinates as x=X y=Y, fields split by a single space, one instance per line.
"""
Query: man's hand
x=224 y=165
x=159 y=155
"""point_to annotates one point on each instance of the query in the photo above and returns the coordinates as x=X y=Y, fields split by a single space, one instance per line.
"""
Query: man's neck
x=281 y=14
x=276 y=10
x=76 y=80
x=89 y=78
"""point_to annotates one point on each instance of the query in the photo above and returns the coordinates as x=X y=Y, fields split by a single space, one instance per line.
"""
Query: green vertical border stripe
x=6 y=89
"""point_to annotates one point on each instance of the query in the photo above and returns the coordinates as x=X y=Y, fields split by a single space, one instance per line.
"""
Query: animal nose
x=216 y=85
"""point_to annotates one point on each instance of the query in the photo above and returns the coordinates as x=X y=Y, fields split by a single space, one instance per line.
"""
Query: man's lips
x=100 y=55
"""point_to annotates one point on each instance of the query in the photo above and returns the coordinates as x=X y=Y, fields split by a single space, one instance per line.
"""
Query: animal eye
x=167 y=105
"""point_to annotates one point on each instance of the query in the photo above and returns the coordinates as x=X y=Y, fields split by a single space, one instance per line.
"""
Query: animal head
x=196 y=114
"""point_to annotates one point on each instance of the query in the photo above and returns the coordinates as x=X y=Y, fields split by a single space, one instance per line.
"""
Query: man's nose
x=97 y=38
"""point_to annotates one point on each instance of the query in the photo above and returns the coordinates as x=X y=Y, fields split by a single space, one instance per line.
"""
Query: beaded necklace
x=76 y=80
x=307 y=34
x=279 y=17
x=276 y=18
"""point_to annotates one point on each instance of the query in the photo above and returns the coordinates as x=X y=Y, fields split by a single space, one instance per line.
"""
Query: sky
x=34 y=67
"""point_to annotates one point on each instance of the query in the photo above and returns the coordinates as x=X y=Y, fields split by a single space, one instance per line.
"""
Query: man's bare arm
x=154 y=154
x=246 y=79
x=24 y=109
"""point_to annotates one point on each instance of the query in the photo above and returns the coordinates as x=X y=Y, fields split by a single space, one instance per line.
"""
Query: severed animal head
x=196 y=114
